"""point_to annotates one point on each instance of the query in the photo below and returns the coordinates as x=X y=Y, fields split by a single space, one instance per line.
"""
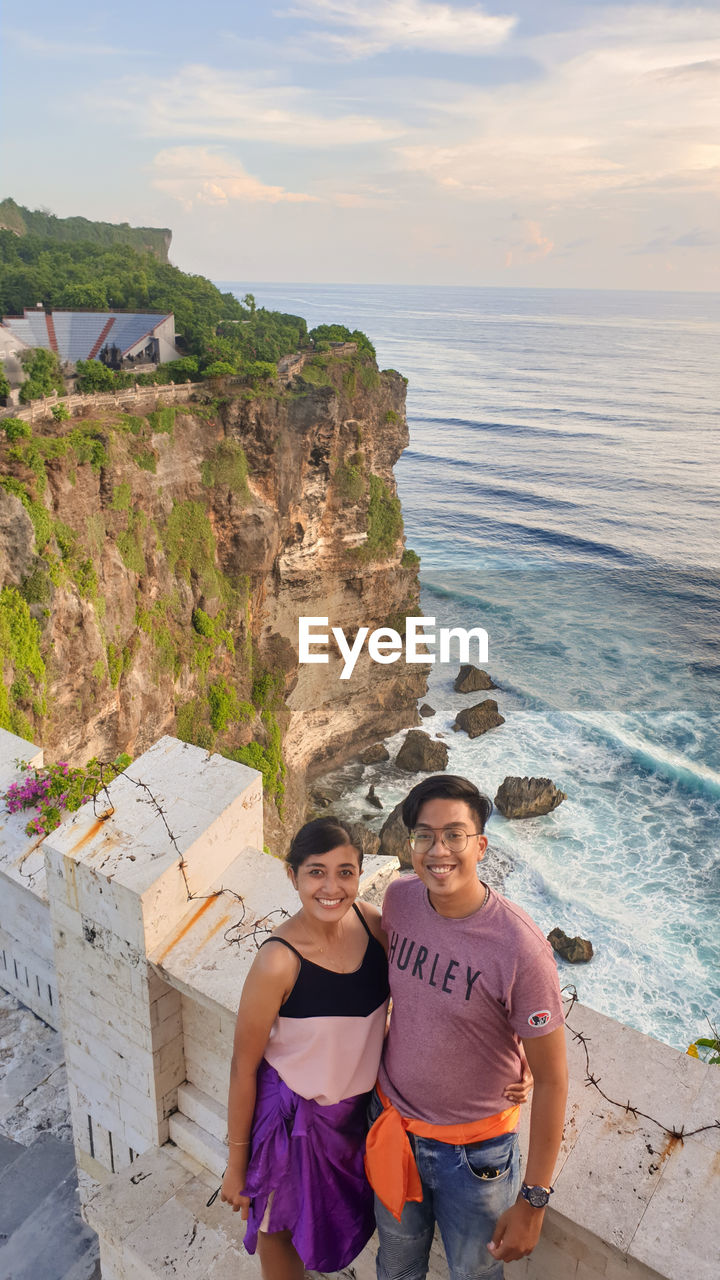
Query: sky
x=533 y=143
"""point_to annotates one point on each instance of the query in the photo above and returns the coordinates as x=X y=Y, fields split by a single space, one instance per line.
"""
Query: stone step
x=31 y=1177
x=52 y=1240
x=203 y=1109
x=9 y=1152
x=29 y=1072
x=153 y=1222
x=201 y=1145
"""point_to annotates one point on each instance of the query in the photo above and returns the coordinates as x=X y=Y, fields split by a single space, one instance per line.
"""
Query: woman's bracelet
x=232 y=1143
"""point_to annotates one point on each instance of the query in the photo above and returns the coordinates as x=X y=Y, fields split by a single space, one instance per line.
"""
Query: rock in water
x=527 y=797
x=576 y=950
x=374 y=800
x=375 y=754
x=470 y=679
x=478 y=719
x=367 y=841
x=420 y=753
x=394 y=838
x=426 y=710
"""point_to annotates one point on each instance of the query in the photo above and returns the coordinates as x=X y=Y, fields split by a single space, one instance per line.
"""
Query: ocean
x=562 y=486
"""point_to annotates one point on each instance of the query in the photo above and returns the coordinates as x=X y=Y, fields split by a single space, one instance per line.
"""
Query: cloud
x=196 y=174
x=372 y=28
x=604 y=118
x=64 y=50
x=530 y=248
x=698 y=238
x=202 y=102
x=708 y=67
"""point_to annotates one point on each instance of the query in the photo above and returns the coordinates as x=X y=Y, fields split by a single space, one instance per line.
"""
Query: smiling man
x=475 y=991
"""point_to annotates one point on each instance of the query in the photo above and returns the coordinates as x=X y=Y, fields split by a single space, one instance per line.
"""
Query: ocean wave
x=650 y=756
x=479 y=486
x=514 y=428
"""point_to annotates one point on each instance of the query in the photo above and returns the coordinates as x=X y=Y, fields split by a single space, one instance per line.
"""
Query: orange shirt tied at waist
x=389 y=1160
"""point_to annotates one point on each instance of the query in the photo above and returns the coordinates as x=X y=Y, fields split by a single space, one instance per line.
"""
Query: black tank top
x=320 y=992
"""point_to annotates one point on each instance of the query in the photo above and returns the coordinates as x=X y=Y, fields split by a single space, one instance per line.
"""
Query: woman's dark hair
x=319 y=836
x=446 y=786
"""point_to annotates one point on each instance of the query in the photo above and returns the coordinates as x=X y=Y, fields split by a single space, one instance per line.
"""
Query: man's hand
x=517 y=1231
x=519 y=1093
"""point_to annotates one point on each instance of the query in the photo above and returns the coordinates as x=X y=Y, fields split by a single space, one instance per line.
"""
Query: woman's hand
x=520 y=1092
x=232 y=1192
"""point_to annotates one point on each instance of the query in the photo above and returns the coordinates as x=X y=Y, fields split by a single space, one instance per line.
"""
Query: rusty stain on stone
x=33 y=847
x=668 y=1146
x=224 y=920
x=185 y=929
x=91 y=832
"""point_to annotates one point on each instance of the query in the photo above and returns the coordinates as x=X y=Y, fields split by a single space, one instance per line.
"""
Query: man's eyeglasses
x=453 y=838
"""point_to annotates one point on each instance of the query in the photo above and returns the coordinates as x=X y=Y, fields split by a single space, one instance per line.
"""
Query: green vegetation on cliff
x=38 y=222
x=214 y=326
x=21 y=660
x=385 y=522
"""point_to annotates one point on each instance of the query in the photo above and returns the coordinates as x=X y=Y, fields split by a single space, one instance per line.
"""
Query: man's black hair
x=446 y=786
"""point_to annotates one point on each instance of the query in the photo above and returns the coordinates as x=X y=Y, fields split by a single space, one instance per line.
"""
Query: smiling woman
x=307 y=1047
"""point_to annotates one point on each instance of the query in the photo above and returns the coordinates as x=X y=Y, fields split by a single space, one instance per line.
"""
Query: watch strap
x=536 y=1196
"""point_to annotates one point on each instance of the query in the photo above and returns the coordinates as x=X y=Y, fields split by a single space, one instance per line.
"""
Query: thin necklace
x=322 y=950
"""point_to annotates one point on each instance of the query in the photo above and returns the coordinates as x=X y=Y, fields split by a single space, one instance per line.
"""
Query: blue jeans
x=464 y=1205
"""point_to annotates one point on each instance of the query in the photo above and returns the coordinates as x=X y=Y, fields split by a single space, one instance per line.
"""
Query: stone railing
x=130 y=398
x=132 y=926
x=138 y=396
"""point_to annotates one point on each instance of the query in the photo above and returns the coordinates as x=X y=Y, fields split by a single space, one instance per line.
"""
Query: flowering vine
x=57 y=788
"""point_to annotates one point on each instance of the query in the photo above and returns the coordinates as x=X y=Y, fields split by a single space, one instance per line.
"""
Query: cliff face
x=173 y=555
x=24 y=222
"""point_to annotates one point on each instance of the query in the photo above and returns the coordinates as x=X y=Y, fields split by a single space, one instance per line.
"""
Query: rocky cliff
x=155 y=567
x=38 y=222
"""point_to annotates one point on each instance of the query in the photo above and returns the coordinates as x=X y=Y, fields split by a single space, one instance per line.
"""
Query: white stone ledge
x=198 y=959
x=203 y=1146
x=204 y=1110
x=643 y=1200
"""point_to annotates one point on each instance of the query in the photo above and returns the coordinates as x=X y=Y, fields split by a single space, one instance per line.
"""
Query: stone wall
x=27 y=962
x=150 y=960
x=131 y=399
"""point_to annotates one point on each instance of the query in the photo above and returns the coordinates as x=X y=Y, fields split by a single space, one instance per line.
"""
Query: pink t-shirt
x=465 y=992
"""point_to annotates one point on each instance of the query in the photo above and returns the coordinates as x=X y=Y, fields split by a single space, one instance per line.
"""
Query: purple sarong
x=312 y=1158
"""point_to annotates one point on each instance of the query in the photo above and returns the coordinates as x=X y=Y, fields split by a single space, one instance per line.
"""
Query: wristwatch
x=538 y=1197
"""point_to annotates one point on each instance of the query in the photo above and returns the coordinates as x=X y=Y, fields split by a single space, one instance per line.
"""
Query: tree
x=93 y=375
x=44 y=375
x=91 y=297
x=219 y=369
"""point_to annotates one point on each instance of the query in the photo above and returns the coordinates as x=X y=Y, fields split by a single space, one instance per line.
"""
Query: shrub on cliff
x=349 y=482
x=20 y=657
x=16 y=429
x=225 y=706
x=227 y=466
x=92 y=375
x=43 y=375
x=385 y=523
x=324 y=335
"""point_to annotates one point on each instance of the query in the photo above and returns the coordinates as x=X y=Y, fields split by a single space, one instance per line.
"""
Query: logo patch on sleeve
x=540 y=1018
